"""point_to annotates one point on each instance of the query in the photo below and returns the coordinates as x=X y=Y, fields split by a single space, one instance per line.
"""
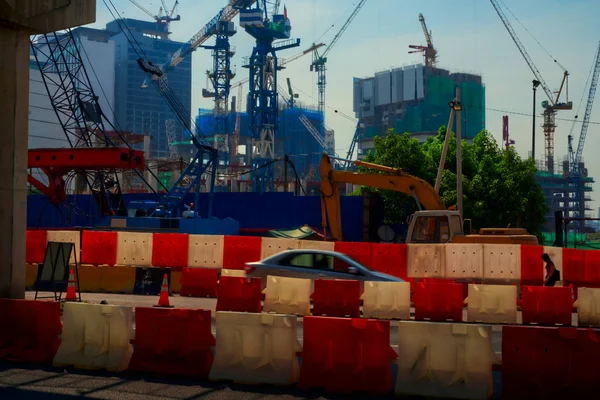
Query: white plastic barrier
x=96 y=336
x=67 y=237
x=206 y=251
x=464 y=261
x=386 y=300
x=134 y=249
x=556 y=254
x=271 y=246
x=588 y=307
x=502 y=261
x=445 y=360
x=287 y=295
x=316 y=245
x=256 y=348
x=240 y=273
x=492 y=304
x=426 y=261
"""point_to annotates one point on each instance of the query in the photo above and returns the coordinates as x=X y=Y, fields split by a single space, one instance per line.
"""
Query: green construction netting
x=574 y=240
x=303 y=232
x=165 y=178
x=370 y=132
x=433 y=111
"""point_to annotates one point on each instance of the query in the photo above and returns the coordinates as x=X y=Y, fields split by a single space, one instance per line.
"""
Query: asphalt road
x=19 y=381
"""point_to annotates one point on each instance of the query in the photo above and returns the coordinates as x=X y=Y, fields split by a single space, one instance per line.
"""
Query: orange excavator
x=433 y=223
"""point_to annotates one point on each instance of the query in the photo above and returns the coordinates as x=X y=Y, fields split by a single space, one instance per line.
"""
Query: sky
x=468 y=35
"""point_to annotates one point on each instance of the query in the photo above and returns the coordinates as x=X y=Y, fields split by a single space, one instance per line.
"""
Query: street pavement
x=18 y=381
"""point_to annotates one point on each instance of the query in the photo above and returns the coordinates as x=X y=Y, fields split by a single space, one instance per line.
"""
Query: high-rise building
x=415 y=99
x=143 y=110
x=116 y=77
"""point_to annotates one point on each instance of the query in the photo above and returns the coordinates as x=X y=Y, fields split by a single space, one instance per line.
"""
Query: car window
x=323 y=261
x=298 y=260
x=341 y=265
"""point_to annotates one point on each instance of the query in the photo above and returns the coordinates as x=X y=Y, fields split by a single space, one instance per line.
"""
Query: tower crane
x=160 y=18
x=320 y=60
x=429 y=52
x=553 y=103
x=263 y=66
x=575 y=172
x=283 y=63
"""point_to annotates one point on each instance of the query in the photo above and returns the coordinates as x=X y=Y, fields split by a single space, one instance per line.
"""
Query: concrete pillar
x=14 y=104
x=18 y=20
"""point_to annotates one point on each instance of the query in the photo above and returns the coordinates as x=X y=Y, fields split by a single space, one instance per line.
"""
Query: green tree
x=499 y=187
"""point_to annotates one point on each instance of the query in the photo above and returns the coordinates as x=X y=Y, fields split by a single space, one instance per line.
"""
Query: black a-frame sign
x=53 y=274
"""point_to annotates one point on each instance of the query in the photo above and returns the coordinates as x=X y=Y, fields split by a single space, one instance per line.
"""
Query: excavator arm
x=394 y=179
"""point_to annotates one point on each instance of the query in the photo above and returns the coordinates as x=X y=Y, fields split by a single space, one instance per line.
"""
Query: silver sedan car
x=314 y=264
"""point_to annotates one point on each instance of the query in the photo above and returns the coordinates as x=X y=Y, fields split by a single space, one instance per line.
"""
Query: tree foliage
x=499 y=187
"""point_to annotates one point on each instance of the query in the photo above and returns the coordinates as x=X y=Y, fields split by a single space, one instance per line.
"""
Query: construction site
x=237 y=137
x=176 y=231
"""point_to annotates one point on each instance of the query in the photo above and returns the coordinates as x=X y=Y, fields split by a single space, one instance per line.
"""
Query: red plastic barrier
x=546 y=305
x=170 y=250
x=347 y=355
x=31 y=331
x=358 y=251
x=239 y=250
x=389 y=259
x=550 y=363
x=99 y=248
x=173 y=341
x=439 y=301
x=35 y=243
x=336 y=298
x=199 y=282
x=592 y=267
x=239 y=294
x=573 y=266
x=532 y=265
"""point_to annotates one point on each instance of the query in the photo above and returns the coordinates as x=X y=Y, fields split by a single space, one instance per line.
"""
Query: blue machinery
x=262 y=97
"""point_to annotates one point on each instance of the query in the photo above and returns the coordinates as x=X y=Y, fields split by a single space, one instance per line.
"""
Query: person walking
x=552 y=274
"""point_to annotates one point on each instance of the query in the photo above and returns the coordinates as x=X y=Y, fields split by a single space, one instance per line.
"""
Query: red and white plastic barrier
x=454 y=262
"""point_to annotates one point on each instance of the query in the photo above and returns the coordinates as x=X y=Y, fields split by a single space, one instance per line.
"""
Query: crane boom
x=588 y=110
x=524 y=53
x=344 y=27
x=425 y=30
x=226 y=14
x=145 y=9
x=284 y=62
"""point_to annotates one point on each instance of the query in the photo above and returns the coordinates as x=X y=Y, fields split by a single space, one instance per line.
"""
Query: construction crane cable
x=534 y=38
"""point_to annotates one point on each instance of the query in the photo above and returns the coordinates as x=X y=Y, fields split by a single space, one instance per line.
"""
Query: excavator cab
x=434 y=226
x=441 y=226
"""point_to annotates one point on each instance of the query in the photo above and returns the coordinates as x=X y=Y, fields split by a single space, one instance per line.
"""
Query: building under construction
x=292 y=139
x=415 y=99
x=562 y=193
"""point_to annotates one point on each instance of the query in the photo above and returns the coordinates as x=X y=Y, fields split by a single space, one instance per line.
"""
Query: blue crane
x=319 y=60
x=575 y=172
x=263 y=97
x=222 y=27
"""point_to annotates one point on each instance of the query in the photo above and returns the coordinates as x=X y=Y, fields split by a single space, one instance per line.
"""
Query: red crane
x=429 y=52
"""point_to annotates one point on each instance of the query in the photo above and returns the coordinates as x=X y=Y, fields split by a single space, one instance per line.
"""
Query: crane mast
x=319 y=61
x=575 y=172
x=553 y=104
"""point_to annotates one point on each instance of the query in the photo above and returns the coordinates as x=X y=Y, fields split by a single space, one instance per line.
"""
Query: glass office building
x=143 y=110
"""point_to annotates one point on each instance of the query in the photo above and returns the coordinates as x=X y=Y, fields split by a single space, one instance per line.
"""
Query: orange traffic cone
x=163 y=300
x=71 y=292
